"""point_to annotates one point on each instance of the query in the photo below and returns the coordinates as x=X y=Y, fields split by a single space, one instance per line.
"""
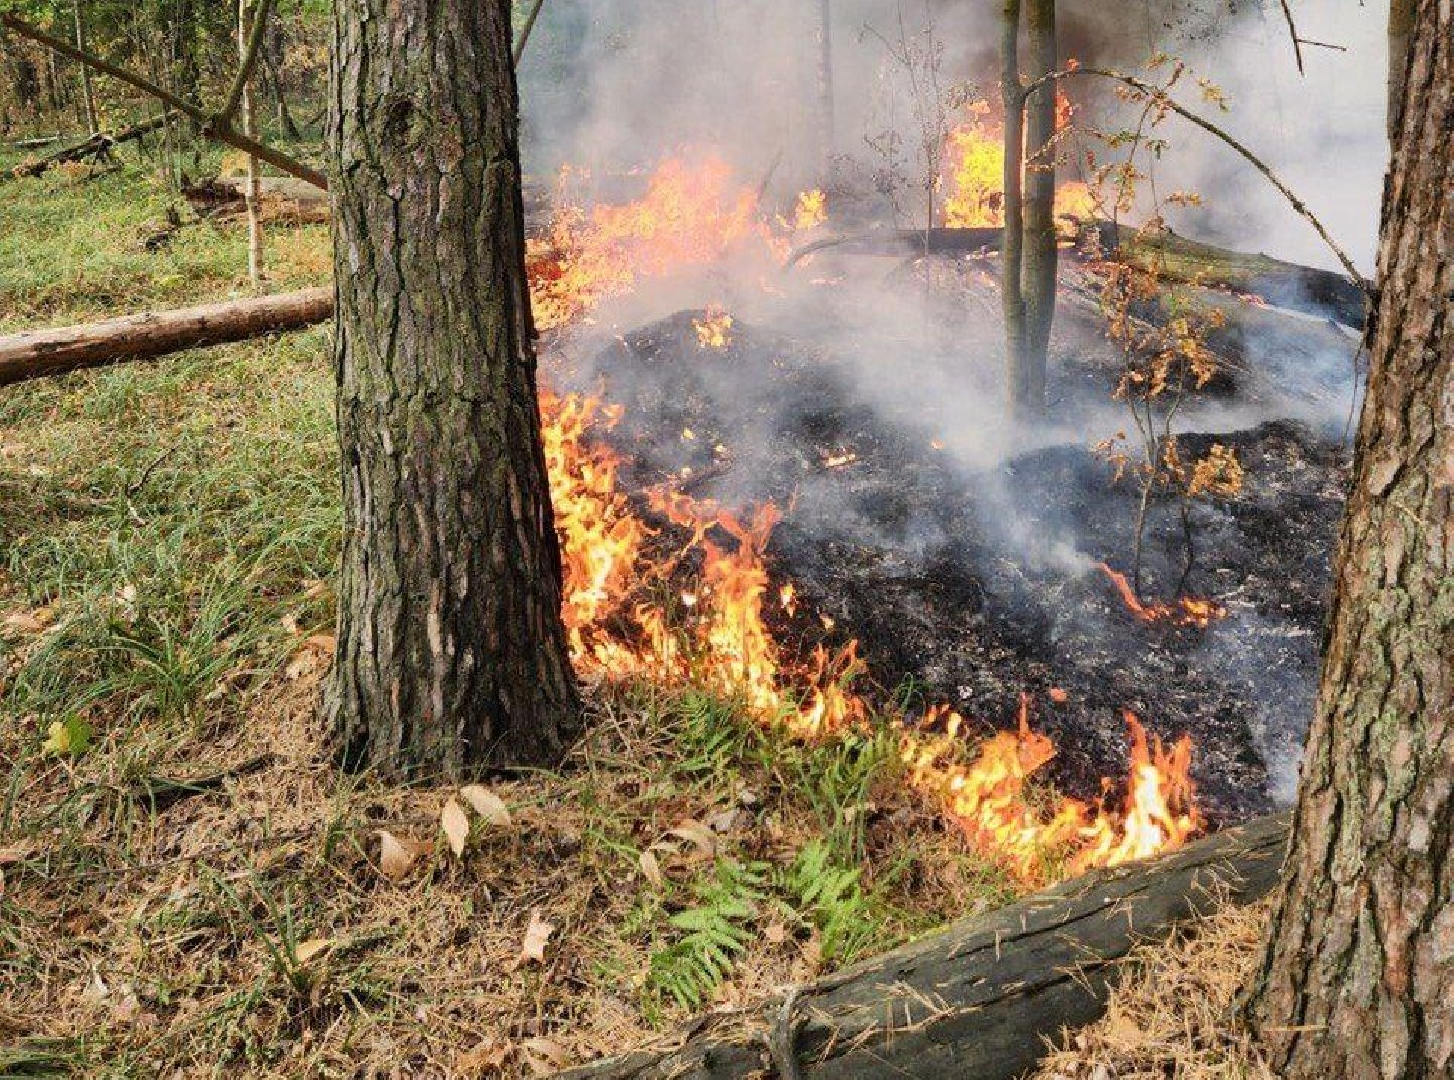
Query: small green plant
x=713 y=934
x=830 y=896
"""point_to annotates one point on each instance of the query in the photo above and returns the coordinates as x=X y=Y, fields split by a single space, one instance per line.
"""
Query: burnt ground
x=971 y=583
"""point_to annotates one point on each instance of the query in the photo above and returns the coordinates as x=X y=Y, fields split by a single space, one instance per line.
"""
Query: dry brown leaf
x=696 y=833
x=486 y=1059
x=651 y=868
x=394 y=858
x=307 y=950
x=29 y=622
x=532 y=949
x=455 y=825
x=487 y=804
x=544 y=1056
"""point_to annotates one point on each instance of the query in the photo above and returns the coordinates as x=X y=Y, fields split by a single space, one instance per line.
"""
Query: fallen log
x=37 y=353
x=980 y=1000
x=102 y=142
x=904 y=242
x=283 y=199
x=1284 y=284
x=1179 y=260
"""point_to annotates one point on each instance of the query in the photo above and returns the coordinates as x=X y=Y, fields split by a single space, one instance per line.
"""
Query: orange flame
x=689 y=216
x=714 y=329
x=1187 y=611
x=975 y=167
x=988 y=799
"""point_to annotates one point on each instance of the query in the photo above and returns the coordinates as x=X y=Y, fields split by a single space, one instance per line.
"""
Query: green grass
x=168 y=537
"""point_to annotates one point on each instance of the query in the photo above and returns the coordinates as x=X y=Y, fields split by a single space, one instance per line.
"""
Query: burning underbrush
x=735 y=517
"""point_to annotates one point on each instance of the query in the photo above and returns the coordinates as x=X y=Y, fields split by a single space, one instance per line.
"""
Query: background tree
x=451 y=650
x=1029 y=253
x=1357 y=978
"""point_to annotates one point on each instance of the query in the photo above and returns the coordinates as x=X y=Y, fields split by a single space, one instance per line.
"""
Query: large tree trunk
x=1041 y=250
x=451 y=650
x=979 y=1000
x=1358 y=975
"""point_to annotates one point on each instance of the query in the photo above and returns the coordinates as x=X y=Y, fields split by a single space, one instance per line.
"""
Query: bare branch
x=245 y=65
x=525 y=30
x=275 y=158
x=1297 y=42
x=1164 y=100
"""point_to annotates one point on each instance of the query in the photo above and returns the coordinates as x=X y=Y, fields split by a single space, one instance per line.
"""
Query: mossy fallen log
x=980 y=1000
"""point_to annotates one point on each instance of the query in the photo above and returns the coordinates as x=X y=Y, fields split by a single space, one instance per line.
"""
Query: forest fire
x=1185 y=611
x=620 y=624
x=989 y=798
x=975 y=172
x=714 y=329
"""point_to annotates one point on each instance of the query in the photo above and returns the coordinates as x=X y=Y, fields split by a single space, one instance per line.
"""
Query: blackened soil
x=971 y=585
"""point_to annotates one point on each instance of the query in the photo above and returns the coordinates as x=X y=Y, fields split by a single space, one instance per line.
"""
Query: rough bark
x=978 y=1000
x=451 y=651
x=35 y=354
x=1358 y=976
x=1400 y=26
x=1041 y=247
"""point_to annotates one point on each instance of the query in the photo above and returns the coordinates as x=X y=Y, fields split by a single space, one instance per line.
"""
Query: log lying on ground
x=1288 y=285
x=904 y=242
x=93 y=146
x=283 y=198
x=1182 y=261
x=37 y=353
x=977 y=1001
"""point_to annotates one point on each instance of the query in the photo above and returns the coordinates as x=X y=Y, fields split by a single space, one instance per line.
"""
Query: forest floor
x=189 y=886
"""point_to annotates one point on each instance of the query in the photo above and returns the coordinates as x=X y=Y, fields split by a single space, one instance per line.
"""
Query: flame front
x=619 y=625
x=975 y=171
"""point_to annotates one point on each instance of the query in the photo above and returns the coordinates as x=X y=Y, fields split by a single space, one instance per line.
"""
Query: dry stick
x=1161 y=98
x=1297 y=45
x=525 y=30
x=221 y=133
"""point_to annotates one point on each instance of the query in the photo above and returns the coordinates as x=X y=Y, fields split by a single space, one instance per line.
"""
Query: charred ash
x=971 y=585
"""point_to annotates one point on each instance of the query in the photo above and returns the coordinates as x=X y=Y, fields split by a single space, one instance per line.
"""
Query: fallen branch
x=95 y=145
x=526 y=29
x=1178 y=260
x=980 y=1000
x=220 y=131
x=1283 y=284
x=38 y=353
x=904 y=241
